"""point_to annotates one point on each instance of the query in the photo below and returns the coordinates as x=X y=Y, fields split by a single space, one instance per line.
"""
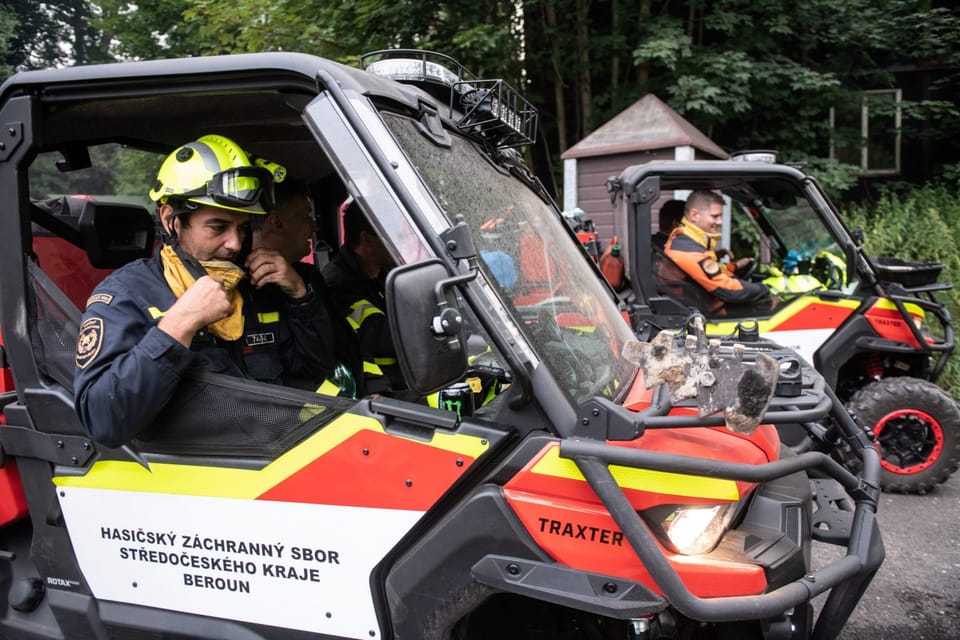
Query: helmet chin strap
x=191 y=264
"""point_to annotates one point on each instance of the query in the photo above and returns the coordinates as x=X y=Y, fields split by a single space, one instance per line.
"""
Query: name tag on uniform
x=257 y=339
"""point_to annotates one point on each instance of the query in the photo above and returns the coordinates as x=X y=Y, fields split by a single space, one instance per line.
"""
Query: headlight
x=690 y=529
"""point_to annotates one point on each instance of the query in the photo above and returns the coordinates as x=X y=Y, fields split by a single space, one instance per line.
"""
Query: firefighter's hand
x=203 y=303
x=744 y=267
x=725 y=253
x=267 y=266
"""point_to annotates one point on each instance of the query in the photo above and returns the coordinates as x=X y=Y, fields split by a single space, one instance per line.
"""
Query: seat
x=672 y=281
x=111 y=234
x=114 y=234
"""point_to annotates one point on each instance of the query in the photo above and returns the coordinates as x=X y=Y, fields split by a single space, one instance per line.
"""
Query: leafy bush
x=836 y=178
x=921 y=224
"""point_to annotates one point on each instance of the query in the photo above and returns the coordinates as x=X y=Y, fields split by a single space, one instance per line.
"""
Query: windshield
x=796 y=226
x=541 y=276
x=800 y=230
x=800 y=240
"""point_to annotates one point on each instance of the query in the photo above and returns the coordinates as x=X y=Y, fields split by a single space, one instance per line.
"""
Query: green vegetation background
x=918 y=224
x=751 y=75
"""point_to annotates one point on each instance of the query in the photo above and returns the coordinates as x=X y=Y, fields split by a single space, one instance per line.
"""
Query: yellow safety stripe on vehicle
x=675 y=484
x=888 y=304
x=781 y=316
x=371 y=368
x=269 y=317
x=198 y=480
x=385 y=362
x=360 y=311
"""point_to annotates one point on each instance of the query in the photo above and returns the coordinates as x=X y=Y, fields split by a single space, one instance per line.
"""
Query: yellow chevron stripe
x=246 y=484
x=781 y=316
x=887 y=304
x=674 y=484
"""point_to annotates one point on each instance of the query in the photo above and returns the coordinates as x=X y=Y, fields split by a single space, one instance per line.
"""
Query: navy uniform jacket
x=360 y=300
x=286 y=342
x=128 y=369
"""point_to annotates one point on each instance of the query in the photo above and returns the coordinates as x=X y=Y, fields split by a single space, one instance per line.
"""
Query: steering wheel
x=747 y=272
x=830 y=270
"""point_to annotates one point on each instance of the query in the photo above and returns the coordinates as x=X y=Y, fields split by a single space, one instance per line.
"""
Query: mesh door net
x=222 y=415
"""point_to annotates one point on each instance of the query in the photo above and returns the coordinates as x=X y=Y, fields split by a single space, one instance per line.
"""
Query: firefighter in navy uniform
x=356 y=278
x=695 y=259
x=155 y=319
x=287 y=230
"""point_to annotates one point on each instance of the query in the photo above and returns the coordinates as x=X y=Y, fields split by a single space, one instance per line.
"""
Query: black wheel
x=916 y=424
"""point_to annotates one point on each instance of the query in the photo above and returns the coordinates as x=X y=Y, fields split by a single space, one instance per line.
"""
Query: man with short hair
x=669 y=217
x=288 y=227
x=153 y=320
x=692 y=247
x=287 y=230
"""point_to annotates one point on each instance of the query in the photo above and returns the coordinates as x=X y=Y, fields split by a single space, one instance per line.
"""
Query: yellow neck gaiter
x=707 y=240
x=179 y=279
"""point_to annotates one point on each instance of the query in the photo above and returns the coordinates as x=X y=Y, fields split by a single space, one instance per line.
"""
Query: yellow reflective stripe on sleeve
x=674 y=484
x=155 y=313
x=269 y=317
x=360 y=311
x=328 y=388
x=371 y=368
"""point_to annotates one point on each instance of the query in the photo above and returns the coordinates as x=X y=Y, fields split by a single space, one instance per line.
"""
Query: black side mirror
x=426 y=325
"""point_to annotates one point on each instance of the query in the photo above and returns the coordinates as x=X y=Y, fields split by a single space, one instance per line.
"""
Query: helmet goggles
x=238 y=187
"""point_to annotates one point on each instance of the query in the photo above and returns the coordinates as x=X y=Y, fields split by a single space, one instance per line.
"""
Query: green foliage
x=115 y=171
x=744 y=234
x=34 y=41
x=664 y=43
x=766 y=73
x=147 y=30
x=836 y=178
x=751 y=74
x=951 y=174
x=47 y=181
x=8 y=27
x=921 y=224
x=136 y=172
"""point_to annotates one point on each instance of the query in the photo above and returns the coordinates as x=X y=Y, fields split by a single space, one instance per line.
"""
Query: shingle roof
x=647 y=124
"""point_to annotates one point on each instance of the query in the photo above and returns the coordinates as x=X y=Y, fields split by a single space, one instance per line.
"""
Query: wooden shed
x=647 y=130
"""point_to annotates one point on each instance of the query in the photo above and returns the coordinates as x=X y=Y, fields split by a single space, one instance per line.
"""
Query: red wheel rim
x=911 y=437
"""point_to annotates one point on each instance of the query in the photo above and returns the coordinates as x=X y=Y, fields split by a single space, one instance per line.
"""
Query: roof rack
x=488 y=110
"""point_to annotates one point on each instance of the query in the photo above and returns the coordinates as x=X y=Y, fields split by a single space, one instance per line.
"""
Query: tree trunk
x=615 y=53
x=77 y=21
x=549 y=16
x=643 y=69
x=583 y=67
